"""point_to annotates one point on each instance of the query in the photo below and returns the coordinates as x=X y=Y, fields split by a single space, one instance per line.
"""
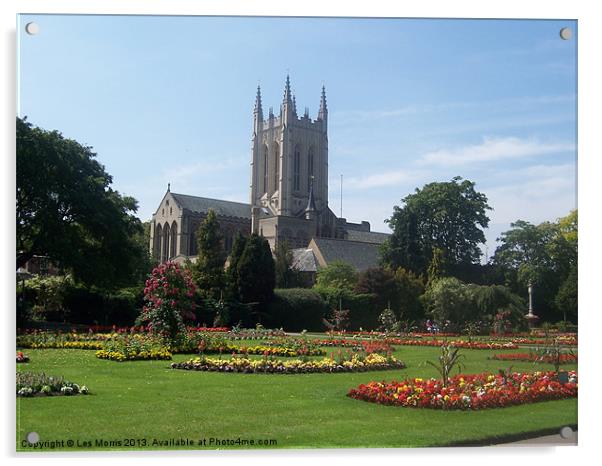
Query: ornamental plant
x=448 y=359
x=555 y=354
x=388 y=320
x=168 y=297
x=40 y=384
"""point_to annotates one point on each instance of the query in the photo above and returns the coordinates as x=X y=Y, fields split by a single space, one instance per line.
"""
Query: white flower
x=25 y=391
x=66 y=390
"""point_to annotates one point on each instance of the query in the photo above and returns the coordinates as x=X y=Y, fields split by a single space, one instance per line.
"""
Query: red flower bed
x=334 y=342
x=568 y=341
x=456 y=343
x=478 y=391
x=532 y=357
x=208 y=329
x=369 y=346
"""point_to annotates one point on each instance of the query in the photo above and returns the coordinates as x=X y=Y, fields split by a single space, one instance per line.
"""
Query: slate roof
x=367 y=236
x=304 y=260
x=360 y=254
x=221 y=207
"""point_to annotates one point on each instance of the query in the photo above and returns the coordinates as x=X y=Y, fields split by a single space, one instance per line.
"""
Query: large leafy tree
x=67 y=210
x=449 y=216
x=238 y=247
x=337 y=274
x=286 y=275
x=544 y=254
x=208 y=270
x=256 y=275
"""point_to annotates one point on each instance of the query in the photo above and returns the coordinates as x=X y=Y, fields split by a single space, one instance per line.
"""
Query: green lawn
x=148 y=400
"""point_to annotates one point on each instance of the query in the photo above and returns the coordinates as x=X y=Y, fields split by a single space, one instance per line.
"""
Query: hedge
x=296 y=309
x=363 y=310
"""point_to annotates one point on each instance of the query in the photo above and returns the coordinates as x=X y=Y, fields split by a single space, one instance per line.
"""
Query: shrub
x=47 y=295
x=255 y=272
x=388 y=321
x=296 y=309
x=337 y=274
x=169 y=297
x=448 y=299
x=363 y=310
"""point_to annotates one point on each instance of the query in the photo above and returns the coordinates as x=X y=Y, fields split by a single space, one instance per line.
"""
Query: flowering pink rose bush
x=169 y=300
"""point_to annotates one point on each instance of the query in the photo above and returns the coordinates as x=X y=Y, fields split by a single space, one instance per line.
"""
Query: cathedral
x=288 y=198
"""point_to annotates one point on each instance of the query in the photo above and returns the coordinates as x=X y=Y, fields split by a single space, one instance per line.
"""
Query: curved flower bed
x=371 y=362
x=456 y=343
x=533 y=357
x=369 y=346
x=162 y=354
x=266 y=350
x=34 y=384
x=339 y=342
x=567 y=341
x=85 y=345
x=479 y=391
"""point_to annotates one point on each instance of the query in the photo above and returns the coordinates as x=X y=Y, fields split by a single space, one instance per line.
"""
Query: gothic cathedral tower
x=289 y=171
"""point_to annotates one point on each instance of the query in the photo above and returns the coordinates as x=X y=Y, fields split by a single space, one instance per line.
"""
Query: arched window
x=157 y=242
x=276 y=165
x=174 y=240
x=265 y=169
x=297 y=169
x=193 y=246
x=165 y=249
x=310 y=167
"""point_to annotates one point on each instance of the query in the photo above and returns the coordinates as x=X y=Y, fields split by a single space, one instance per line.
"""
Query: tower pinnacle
x=287 y=91
x=258 y=110
x=323 y=113
x=310 y=210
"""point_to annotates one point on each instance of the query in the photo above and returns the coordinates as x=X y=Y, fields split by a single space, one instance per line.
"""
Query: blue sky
x=170 y=99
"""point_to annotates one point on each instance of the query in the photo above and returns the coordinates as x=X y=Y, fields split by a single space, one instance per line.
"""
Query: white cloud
x=202 y=168
x=378 y=180
x=512 y=104
x=492 y=149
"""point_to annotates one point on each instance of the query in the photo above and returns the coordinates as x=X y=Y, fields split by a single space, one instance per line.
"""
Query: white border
x=589 y=32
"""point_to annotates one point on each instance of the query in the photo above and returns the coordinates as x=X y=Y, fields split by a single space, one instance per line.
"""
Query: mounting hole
x=566 y=33
x=566 y=432
x=32 y=28
x=33 y=437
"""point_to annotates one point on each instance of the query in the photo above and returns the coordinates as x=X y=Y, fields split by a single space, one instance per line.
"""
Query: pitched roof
x=359 y=254
x=304 y=260
x=367 y=236
x=221 y=207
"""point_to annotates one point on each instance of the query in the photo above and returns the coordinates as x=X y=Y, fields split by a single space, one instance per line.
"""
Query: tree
x=238 y=248
x=410 y=288
x=286 y=275
x=543 y=254
x=566 y=299
x=436 y=267
x=337 y=274
x=380 y=283
x=448 y=299
x=208 y=270
x=256 y=275
x=449 y=216
x=67 y=211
